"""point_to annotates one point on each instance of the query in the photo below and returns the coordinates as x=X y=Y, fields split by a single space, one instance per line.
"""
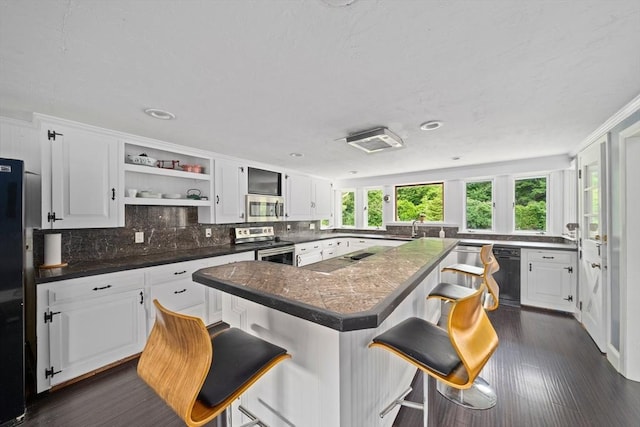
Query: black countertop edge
x=521 y=244
x=341 y=322
x=93 y=268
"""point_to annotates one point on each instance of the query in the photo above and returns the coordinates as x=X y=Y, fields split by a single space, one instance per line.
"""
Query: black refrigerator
x=12 y=263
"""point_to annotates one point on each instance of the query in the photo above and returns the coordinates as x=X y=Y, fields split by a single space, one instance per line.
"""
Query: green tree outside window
x=348 y=208
x=531 y=204
x=414 y=200
x=374 y=208
x=479 y=205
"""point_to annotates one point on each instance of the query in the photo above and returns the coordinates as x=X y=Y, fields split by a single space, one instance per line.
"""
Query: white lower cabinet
x=88 y=323
x=84 y=324
x=548 y=279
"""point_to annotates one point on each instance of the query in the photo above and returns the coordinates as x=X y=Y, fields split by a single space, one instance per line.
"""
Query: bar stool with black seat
x=454 y=357
x=452 y=291
x=199 y=376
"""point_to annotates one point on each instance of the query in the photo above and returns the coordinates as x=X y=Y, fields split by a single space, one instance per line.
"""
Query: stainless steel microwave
x=264 y=208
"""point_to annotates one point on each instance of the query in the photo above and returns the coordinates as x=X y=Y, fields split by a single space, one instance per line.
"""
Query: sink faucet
x=414 y=228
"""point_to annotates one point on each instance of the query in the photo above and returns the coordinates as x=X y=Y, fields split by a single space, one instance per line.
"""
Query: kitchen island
x=326 y=321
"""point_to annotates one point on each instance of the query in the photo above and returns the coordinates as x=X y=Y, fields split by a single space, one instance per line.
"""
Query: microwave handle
x=277 y=209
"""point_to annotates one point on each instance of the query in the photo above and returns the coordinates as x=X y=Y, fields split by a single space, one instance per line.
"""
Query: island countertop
x=358 y=296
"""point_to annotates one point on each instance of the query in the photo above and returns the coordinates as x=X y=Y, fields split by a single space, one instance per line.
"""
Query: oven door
x=283 y=255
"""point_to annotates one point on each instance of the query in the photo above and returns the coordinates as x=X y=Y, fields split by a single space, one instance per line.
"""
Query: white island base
x=333 y=379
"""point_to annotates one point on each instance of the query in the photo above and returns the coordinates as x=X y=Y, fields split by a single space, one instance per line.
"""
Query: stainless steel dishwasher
x=508 y=277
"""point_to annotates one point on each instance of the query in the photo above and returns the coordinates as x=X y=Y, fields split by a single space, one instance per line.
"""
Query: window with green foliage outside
x=530 y=204
x=373 y=214
x=348 y=208
x=421 y=199
x=479 y=206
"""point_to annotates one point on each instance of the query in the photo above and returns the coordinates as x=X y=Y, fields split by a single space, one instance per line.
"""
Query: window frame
x=395 y=201
x=493 y=206
x=514 y=179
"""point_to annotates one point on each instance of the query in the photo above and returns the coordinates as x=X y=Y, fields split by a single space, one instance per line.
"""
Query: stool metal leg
x=255 y=421
x=480 y=396
x=425 y=405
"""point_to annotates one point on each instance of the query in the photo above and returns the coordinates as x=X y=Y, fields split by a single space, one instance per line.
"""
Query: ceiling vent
x=375 y=140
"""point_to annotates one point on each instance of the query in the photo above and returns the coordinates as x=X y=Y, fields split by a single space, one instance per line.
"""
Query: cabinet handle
x=548 y=257
x=569 y=298
x=141 y=297
x=113 y=194
x=101 y=288
x=529 y=266
x=180 y=272
x=217 y=199
x=595 y=265
x=179 y=292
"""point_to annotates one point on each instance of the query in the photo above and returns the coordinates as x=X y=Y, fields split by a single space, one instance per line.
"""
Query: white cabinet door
x=230 y=188
x=322 y=197
x=549 y=280
x=310 y=258
x=298 y=204
x=80 y=178
x=89 y=333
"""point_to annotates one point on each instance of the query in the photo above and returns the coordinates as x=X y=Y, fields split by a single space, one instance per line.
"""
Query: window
x=348 y=208
x=530 y=204
x=373 y=208
x=479 y=205
x=412 y=201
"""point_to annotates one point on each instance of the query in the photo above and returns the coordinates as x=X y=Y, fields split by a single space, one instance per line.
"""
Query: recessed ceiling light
x=353 y=172
x=431 y=125
x=296 y=154
x=160 y=114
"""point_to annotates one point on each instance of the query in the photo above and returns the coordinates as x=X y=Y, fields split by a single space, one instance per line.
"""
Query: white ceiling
x=261 y=79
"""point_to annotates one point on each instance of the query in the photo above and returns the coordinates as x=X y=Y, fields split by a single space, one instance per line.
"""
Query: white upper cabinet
x=298 y=203
x=322 y=196
x=307 y=198
x=79 y=177
x=230 y=191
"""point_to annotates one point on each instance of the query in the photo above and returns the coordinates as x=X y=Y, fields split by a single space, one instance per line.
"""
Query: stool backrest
x=176 y=340
x=491 y=265
x=471 y=333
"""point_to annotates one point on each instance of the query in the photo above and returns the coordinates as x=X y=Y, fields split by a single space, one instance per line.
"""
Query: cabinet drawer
x=178 y=295
x=304 y=248
x=332 y=243
x=175 y=271
x=94 y=286
x=546 y=256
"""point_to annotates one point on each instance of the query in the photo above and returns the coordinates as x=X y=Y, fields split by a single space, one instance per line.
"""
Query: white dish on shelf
x=141 y=160
x=172 y=196
x=149 y=195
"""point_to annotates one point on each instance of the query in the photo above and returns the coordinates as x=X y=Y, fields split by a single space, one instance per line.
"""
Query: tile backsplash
x=165 y=228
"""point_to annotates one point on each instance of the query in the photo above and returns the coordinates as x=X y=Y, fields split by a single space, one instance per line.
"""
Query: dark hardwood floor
x=546 y=372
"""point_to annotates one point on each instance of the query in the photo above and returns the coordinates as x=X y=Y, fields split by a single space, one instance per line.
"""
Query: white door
x=231 y=187
x=592 y=231
x=84 y=173
x=90 y=333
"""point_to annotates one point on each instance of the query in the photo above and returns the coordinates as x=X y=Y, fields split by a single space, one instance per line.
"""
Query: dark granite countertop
x=94 y=267
x=521 y=244
x=359 y=295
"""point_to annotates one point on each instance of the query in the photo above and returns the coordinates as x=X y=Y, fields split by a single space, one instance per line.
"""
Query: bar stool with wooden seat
x=454 y=357
x=199 y=376
x=452 y=291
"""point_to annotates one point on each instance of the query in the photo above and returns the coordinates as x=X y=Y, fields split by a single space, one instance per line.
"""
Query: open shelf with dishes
x=158 y=174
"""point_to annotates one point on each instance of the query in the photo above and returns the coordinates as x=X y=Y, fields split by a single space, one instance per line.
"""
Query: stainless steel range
x=269 y=248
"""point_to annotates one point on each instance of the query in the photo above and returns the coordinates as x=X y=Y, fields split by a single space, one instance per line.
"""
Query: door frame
x=603 y=145
x=623 y=358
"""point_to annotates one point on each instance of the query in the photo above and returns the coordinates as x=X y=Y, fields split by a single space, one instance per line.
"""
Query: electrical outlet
x=139 y=236
x=207 y=232
x=288 y=227
x=312 y=226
